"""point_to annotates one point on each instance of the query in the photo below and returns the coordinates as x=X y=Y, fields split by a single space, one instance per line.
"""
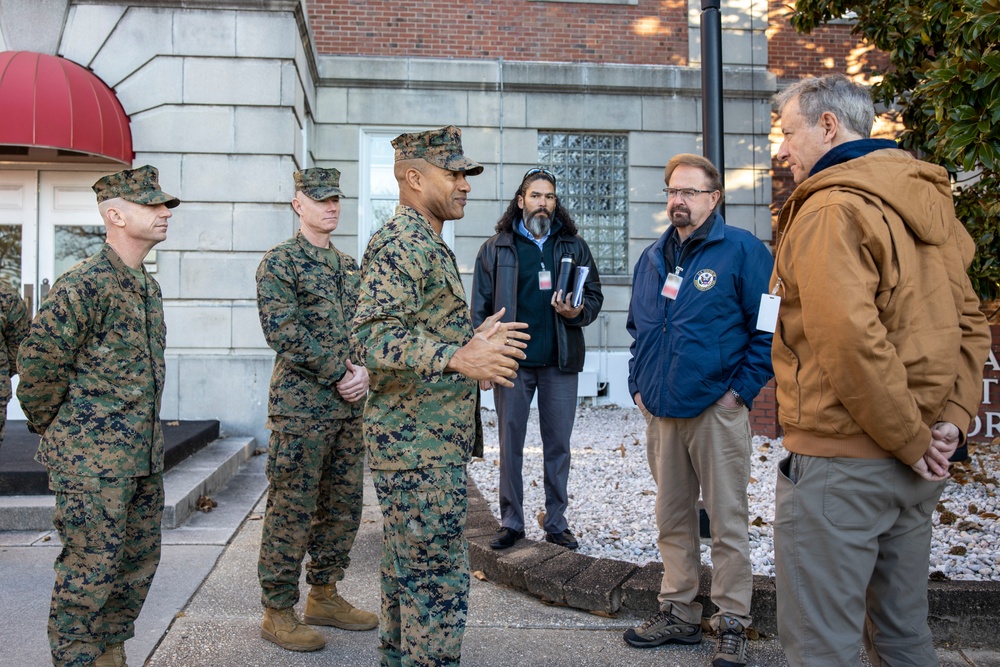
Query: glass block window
x=592 y=174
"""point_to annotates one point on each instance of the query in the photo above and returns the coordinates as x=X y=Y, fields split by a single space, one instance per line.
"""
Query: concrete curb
x=203 y=473
x=965 y=613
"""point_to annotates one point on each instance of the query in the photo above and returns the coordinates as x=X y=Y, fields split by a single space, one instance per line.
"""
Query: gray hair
x=849 y=101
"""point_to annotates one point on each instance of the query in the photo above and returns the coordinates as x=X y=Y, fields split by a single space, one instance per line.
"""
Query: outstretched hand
x=509 y=333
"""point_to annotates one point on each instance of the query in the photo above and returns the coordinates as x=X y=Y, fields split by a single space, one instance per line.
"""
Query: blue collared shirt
x=521 y=229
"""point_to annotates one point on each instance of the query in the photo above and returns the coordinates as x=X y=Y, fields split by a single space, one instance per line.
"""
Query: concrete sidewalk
x=204 y=609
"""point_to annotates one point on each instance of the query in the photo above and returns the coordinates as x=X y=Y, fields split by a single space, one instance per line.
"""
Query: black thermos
x=565 y=281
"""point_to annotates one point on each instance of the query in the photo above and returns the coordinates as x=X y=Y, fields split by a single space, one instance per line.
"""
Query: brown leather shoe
x=324 y=606
x=113 y=656
x=283 y=627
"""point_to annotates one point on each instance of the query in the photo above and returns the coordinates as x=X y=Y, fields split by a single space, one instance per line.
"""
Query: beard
x=680 y=217
x=539 y=223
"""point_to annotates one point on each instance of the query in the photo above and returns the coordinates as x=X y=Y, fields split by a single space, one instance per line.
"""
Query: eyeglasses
x=538 y=170
x=686 y=193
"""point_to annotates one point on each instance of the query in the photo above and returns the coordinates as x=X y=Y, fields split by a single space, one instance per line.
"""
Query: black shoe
x=506 y=538
x=563 y=539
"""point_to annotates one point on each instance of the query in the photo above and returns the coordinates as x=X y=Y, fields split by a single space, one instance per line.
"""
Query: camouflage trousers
x=425 y=566
x=110 y=532
x=313 y=506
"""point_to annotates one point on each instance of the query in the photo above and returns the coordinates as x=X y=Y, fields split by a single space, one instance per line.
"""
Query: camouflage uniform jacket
x=92 y=372
x=14 y=323
x=306 y=299
x=412 y=317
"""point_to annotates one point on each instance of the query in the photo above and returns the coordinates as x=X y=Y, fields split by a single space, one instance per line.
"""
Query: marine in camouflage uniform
x=92 y=376
x=307 y=291
x=414 y=327
x=14 y=323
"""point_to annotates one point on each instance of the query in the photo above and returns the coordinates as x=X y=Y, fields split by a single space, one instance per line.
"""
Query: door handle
x=29 y=299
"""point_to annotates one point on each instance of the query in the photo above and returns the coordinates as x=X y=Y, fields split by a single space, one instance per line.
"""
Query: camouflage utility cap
x=318 y=183
x=442 y=148
x=135 y=185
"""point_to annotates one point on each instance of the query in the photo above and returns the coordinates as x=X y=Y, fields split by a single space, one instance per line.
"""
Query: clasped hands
x=354 y=385
x=934 y=464
x=492 y=354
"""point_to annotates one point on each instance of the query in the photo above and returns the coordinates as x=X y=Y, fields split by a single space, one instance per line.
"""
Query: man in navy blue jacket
x=698 y=361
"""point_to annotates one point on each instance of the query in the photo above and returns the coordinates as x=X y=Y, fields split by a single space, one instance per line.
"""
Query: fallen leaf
x=541 y=519
x=602 y=614
x=206 y=504
x=621 y=448
x=480 y=575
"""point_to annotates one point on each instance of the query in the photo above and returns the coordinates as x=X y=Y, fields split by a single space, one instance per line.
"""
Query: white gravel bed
x=612 y=496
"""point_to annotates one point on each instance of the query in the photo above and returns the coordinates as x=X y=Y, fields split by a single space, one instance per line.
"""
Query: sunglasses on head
x=539 y=170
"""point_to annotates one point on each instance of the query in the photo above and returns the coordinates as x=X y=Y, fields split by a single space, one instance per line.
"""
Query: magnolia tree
x=943 y=81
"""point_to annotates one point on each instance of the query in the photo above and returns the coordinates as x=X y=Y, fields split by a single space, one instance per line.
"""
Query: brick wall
x=651 y=32
x=764 y=416
x=791 y=56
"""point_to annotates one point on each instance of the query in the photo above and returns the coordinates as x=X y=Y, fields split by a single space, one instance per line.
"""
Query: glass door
x=69 y=227
x=48 y=223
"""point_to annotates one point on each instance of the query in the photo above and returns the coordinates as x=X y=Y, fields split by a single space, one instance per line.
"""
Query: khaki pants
x=852 y=540
x=710 y=453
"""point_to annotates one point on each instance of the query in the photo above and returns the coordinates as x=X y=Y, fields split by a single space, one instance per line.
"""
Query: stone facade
x=229 y=98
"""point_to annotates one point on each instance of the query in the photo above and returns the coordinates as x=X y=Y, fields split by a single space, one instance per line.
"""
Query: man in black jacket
x=518 y=269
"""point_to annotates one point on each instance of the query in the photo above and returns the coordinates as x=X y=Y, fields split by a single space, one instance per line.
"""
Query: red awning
x=52 y=102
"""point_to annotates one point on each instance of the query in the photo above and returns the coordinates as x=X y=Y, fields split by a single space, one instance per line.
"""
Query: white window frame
x=367 y=225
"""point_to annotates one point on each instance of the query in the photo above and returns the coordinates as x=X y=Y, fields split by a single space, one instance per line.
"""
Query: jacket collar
x=311 y=251
x=122 y=272
x=849 y=151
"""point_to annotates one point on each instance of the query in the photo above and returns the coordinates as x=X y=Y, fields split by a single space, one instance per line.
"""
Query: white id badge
x=544 y=280
x=767 y=316
x=671 y=286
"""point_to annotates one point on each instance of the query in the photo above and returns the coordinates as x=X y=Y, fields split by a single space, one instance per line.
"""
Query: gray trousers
x=556 y=414
x=852 y=541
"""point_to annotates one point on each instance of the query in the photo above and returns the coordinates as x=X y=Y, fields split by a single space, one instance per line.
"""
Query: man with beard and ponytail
x=517 y=269
x=698 y=361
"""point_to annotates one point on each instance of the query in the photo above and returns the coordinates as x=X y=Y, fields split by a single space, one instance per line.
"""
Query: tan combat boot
x=324 y=606
x=284 y=628
x=113 y=656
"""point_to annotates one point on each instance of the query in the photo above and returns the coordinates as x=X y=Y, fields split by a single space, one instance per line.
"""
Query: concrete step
x=203 y=473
